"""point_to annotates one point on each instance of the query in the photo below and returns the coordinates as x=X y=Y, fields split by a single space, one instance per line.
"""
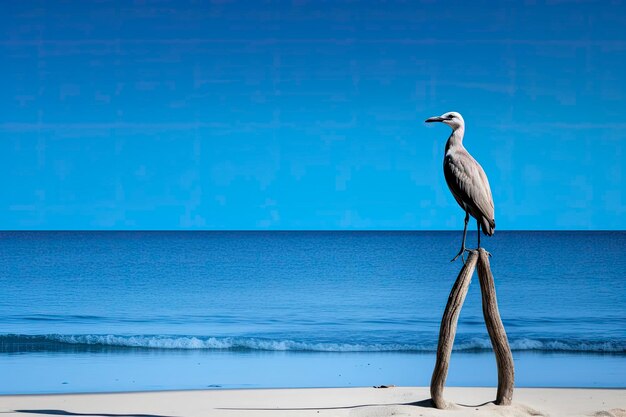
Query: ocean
x=131 y=311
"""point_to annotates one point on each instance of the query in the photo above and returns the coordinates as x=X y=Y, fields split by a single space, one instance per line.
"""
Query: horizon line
x=301 y=230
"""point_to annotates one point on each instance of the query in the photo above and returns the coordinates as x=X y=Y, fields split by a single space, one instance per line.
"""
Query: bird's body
x=468 y=184
x=466 y=179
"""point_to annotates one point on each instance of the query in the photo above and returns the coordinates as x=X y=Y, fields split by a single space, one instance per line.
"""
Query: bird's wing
x=468 y=183
x=485 y=184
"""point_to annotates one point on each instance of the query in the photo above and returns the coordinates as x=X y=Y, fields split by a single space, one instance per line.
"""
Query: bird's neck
x=456 y=138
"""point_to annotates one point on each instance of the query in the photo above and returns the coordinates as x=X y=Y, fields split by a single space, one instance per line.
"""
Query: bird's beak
x=434 y=119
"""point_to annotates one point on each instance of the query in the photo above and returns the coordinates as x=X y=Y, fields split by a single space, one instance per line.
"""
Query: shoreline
x=198 y=370
x=356 y=402
x=165 y=391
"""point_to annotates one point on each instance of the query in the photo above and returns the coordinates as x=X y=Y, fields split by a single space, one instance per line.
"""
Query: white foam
x=231 y=343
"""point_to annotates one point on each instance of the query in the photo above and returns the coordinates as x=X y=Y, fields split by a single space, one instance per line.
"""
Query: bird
x=466 y=179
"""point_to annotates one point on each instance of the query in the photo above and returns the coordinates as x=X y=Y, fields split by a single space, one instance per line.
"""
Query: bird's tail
x=488 y=226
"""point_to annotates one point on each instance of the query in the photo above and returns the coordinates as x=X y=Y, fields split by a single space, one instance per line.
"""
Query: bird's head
x=452 y=119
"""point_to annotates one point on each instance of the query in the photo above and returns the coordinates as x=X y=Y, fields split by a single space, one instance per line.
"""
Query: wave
x=88 y=342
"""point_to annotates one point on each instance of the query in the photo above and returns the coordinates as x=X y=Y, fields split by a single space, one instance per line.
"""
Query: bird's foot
x=461 y=254
x=484 y=250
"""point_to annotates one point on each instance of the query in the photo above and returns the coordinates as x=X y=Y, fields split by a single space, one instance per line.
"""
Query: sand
x=356 y=402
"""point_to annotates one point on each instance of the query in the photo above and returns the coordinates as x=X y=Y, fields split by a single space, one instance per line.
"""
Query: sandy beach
x=357 y=402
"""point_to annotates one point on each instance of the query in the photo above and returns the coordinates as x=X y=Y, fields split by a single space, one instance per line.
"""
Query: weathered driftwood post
x=499 y=341
x=447 y=331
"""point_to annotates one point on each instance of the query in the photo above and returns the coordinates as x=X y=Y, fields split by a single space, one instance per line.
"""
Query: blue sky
x=308 y=114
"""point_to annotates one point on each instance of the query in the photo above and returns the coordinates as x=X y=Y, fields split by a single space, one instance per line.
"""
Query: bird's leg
x=479 y=238
x=462 y=251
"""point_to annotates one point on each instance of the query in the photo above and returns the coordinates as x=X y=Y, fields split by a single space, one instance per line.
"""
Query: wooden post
x=499 y=341
x=447 y=330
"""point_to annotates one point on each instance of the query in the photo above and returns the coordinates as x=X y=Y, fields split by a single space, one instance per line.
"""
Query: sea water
x=123 y=311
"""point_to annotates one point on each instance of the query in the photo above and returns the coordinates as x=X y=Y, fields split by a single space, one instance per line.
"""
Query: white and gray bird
x=466 y=179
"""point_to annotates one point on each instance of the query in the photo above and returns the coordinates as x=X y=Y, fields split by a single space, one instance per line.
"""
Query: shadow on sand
x=424 y=403
x=69 y=413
